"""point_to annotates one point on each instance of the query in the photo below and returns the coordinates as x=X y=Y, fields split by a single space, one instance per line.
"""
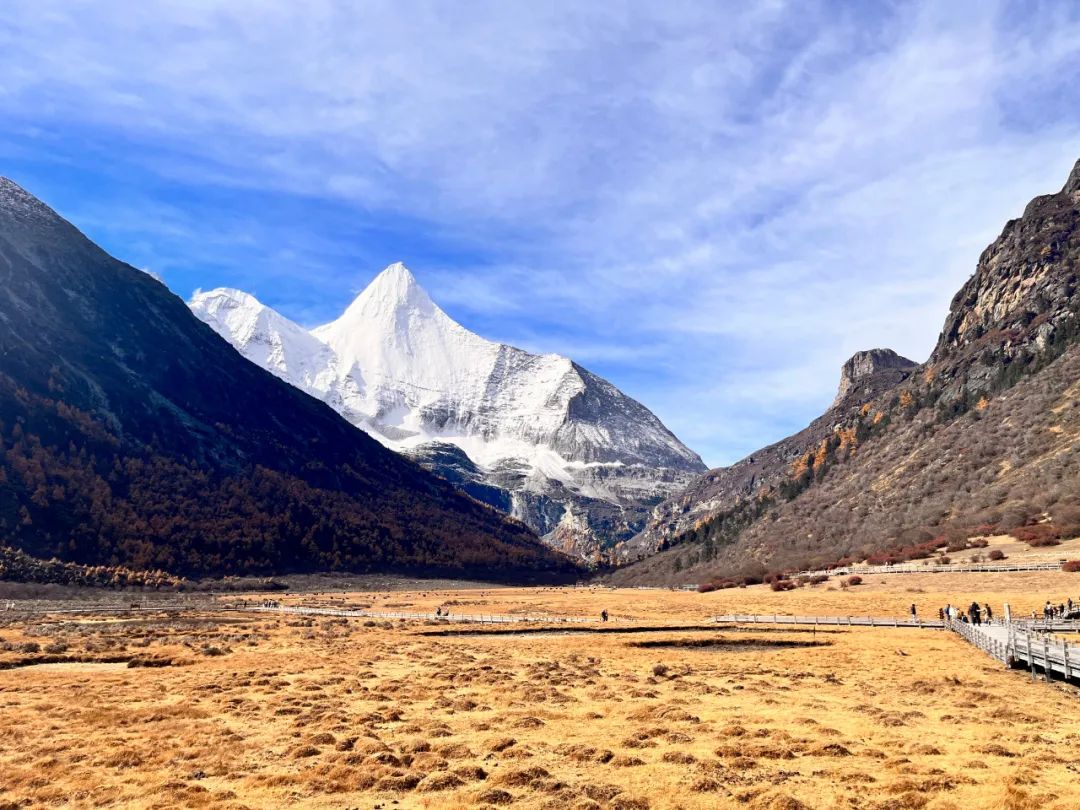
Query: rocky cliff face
x=1020 y=301
x=863 y=365
x=863 y=378
x=538 y=436
x=1011 y=322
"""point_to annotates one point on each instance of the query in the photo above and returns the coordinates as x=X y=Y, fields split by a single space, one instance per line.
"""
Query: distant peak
x=397 y=270
x=1072 y=185
x=863 y=364
x=17 y=200
x=238 y=297
x=394 y=290
x=395 y=281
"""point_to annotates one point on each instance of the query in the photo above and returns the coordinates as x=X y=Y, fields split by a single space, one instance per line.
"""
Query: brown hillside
x=983 y=433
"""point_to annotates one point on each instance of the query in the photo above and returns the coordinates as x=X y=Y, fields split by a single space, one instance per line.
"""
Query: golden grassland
x=271 y=711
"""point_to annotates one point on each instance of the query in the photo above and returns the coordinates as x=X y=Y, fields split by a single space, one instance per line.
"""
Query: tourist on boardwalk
x=914 y=614
x=941 y=614
x=975 y=613
x=988 y=613
x=603 y=615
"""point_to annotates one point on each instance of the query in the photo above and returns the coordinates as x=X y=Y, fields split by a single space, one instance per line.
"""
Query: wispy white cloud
x=713 y=207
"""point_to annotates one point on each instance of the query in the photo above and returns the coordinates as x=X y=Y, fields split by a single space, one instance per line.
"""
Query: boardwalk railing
x=476 y=618
x=813 y=621
x=930 y=568
x=1019 y=645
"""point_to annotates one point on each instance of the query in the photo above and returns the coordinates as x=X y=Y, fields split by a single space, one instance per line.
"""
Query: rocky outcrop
x=862 y=365
x=1020 y=303
x=863 y=379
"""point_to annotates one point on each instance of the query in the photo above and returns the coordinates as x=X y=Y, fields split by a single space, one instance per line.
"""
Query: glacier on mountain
x=537 y=436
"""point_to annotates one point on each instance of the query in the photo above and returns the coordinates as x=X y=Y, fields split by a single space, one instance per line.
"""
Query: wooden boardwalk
x=913 y=568
x=813 y=621
x=1031 y=645
x=1022 y=645
x=472 y=618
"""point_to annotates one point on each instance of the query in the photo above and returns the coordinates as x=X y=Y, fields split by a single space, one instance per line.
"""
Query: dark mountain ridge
x=132 y=434
x=984 y=435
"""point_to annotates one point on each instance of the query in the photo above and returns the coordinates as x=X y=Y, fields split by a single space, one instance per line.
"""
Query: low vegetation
x=232 y=710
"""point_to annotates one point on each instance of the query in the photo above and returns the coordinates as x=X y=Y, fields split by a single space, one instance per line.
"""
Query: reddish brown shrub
x=854 y=580
x=782 y=585
x=1041 y=534
x=996 y=554
x=1072 y=566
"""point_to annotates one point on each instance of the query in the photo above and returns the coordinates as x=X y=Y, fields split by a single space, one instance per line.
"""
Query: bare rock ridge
x=537 y=436
x=863 y=377
x=863 y=364
x=975 y=436
x=132 y=435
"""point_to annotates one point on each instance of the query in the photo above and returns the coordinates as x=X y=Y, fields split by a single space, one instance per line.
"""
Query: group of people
x=975 y=614
x=1051 y=611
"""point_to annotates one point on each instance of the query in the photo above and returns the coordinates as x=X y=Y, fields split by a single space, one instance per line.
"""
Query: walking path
x=1028 y=644
x=1022 y=645
x=913 y=568
x=475 y=618
x=845 y=621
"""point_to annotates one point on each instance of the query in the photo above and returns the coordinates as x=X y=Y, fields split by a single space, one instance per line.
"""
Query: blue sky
x=711 y=204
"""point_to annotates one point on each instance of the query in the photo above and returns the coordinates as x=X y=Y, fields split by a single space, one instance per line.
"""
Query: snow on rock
x=542 y=428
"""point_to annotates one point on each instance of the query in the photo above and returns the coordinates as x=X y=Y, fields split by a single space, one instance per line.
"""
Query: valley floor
x=215 y=708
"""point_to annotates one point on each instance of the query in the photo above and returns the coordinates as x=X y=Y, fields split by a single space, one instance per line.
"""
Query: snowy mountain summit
x=537 y=436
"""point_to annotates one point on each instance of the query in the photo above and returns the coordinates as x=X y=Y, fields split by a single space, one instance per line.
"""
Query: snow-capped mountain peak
x=540 y=428
x=269 y=339
x=397 y=336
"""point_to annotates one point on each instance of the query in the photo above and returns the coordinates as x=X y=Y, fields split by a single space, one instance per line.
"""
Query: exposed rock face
x=1012 y=320
x=1020 y=299
x=864 y=364
x=538 y=436
x=863 y=378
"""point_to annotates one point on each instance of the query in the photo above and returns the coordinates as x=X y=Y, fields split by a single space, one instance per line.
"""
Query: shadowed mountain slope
x=131 y=433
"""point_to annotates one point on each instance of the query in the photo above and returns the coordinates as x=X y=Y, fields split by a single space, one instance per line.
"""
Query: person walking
x=914 y=613
x=603 y=615
x=988 y=613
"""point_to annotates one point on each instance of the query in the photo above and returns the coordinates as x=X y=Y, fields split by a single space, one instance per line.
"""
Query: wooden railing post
x=1031 y=654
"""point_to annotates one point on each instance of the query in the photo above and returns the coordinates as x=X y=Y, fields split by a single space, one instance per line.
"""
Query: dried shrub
x=996 y=554
x=854 y=580
x=1072 y=566
x=1039 y=536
